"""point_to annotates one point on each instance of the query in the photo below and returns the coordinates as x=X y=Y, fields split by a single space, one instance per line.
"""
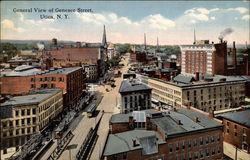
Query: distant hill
x=33 y=41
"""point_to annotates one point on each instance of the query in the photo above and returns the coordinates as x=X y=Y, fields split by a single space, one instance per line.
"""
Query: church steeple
x=194 y=36
x=104 y=39
x=157 y=47
x=145 y=43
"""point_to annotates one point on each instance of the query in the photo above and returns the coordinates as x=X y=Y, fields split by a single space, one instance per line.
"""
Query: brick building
x=163 y=74
x=204 y=58
x=207 y=58
x=205 y=92
x=25 y=78
x=237 y=132
x=134 y=96
x=23 y=116
x=176 y=134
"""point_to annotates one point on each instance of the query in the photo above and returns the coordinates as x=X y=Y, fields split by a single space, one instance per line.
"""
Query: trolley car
x=91 y=110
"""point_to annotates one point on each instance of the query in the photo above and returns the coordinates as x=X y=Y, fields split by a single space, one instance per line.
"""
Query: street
x=81 y=125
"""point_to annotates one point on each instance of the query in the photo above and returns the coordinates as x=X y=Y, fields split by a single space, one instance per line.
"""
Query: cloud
x=213 y=18
x=200 y=14
x=156 y=21
x=245 y=17
x=8 y=24
x=51 y=29
x=239 y=9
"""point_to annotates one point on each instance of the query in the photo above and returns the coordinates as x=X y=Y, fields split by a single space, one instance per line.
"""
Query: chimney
x=221 y=40
x=78 y=44
x=196 y=119
x=135 y=143
x=197 y=76
x=234 y=61
x=211 y=114
x=54 y=41
x=130 y=119
x=179 y=122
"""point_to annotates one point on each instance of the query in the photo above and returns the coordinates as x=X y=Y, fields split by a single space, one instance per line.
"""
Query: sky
x=126 y=21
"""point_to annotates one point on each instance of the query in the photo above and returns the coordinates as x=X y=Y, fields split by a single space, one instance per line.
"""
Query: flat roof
x=240 y=117
x=124 y=118
x=29 y=70
x=123 y=142
x=34 y=97
x=132 y=86
x=169 y=122
x=185 y=82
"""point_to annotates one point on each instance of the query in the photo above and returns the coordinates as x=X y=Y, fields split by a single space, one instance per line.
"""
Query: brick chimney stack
x=234 y=61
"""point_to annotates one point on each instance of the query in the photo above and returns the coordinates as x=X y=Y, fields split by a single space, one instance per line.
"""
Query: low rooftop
x=132 y=86
x=123 y=142
x=34 y=97
x=25 y=70
x=240 y=117
x=183 y=121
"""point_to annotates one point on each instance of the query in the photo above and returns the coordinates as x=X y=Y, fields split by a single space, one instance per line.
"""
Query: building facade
x=237 y=134
x=168 y=135
x=29 y=114
x=91 y=72
x=71 y=80
x=204 y=58
x=208 y=93
x=134 y=96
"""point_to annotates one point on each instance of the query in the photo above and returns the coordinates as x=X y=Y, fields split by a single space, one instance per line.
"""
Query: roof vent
x=135 y=143
x=179 y=122
x=196 y=119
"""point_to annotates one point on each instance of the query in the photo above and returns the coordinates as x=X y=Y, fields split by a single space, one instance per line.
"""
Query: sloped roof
x=132 y=86
x=240 y=117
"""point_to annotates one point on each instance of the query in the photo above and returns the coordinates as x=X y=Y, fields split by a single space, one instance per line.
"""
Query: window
x=22 y=121
x=28 y=112
x=170 y=148
x=34 y=111
x=235 y=133
x=17 y=132
x=32 y=86
x=244 y=130
x=17 y=113
x=28 y=120
x=227 y=123
x=23 y=131
x=201 y=141
x=23 y=112
x=207 y=152
x=235 y=126
x=10 y=123
x=17 y=122
x=124 y=155
x=177 y=146
x=5 y=151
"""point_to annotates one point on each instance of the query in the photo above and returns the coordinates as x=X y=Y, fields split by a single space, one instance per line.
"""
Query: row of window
x=43 y=79
x=182 y=145
x=19 y=132
x=25 y=112
x=198 y=155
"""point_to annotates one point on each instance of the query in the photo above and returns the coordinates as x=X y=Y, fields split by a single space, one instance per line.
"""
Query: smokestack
x=225 y=32
x=78 y=44
x=54 y=41
x=234 y=60
x=197 y=76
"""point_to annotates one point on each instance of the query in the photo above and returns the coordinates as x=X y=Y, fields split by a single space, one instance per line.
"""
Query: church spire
x=104 y=39
x=194 y=36
x=157 y=44
x=145 y=44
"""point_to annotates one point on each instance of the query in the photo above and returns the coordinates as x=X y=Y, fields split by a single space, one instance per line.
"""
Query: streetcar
x=91 y=110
